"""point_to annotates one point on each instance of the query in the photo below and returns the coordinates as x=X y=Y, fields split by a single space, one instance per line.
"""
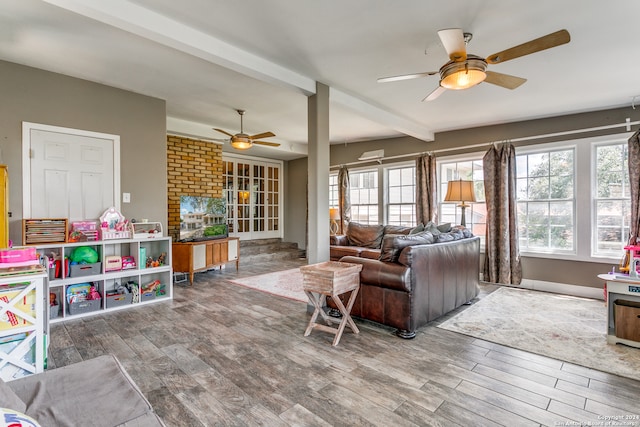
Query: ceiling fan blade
x=262 y=135
x=406 y=77
x=545 y=42
x=504 y=80
x=434 y=94
x=223 y=131
x=270 y=144
x=453 y=41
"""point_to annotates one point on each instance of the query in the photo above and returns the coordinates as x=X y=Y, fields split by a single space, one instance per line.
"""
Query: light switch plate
x=126 y=197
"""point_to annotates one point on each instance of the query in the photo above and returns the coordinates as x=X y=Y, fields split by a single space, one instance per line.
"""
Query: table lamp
x=460 y=191
x=334 y=217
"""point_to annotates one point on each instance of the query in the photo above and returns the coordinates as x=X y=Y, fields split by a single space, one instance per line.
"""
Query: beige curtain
x=634 y=183
x=502 y=254
x=344 y=203
x=426 y=189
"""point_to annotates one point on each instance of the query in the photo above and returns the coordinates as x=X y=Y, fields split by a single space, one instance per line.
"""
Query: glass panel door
x=252 y=189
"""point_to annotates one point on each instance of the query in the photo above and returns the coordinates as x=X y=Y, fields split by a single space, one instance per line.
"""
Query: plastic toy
x=84 y=255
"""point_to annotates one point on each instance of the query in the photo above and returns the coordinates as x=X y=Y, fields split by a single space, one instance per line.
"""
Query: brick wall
x=194 y=168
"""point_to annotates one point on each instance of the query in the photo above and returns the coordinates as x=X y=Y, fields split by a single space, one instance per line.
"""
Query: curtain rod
x=628 y=123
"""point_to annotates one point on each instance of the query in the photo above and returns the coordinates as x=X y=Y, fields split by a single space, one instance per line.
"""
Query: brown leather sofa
x=415 y=278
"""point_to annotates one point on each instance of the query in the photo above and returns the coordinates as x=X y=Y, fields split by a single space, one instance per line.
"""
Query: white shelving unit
x=23 y=325
x=105 y=281
x=624 y=289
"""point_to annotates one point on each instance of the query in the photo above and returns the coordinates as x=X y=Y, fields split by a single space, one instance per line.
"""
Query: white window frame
x=386 y=196
x=549 y=148
x=594 y=144
x=363 y=170
x=458 y=158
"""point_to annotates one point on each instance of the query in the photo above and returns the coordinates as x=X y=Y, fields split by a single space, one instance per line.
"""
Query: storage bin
x=13 y=255
x=147 y=296
x=54 y=311
x=117 y=300
x=84 y=306
x=627 y=319
x=78 y=270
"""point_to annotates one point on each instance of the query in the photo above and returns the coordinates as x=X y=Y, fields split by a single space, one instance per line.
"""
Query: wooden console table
x=191 y=257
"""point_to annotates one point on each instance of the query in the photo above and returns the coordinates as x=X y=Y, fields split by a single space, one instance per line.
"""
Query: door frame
x=235 y=157
x=27 y=127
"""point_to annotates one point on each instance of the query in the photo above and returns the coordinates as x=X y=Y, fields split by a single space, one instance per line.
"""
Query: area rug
x=566 y=328
x=287 y=284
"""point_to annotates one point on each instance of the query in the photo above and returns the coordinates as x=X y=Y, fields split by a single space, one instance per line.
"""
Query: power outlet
x=126 y=197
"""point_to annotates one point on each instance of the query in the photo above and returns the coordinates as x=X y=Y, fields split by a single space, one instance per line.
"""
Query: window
x=401 y=196
x=475 y=216
x=333 y=190
x=546 y=200
x=363 y=192
x=612 y=202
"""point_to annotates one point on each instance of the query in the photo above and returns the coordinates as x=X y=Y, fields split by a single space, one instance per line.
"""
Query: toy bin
x=82 y=307
x=627 y=319
x=147 y=296
x=54 y=311
x=78 y=270
x=116 y=299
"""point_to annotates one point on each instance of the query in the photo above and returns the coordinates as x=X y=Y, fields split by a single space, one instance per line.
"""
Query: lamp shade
x=463 y=75
x=241 y=142
x=334 y=214
x=460 y=191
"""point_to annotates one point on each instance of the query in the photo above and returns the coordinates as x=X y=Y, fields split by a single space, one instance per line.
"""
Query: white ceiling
x=207 y=58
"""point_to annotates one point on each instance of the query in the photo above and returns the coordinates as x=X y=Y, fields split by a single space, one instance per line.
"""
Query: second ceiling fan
x=242 y=141
x=465 y=70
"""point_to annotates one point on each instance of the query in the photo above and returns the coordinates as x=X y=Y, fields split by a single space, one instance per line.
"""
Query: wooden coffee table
x=332 y=278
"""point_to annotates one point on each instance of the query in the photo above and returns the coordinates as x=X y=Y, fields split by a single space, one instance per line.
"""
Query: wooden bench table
x=332 y=278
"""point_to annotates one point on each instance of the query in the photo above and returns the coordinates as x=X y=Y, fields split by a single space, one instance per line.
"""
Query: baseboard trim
x=562 y=288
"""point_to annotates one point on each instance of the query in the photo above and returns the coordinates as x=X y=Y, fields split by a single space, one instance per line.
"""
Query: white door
x=252 y=189
x=69 y=173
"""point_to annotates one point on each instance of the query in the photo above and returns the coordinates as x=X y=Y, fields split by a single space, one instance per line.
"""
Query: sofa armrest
x=388 y=275
x=338 y=240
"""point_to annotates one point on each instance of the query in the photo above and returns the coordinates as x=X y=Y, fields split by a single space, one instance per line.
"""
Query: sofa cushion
x=392 y=244
x=450 y=236
x=9 y=399
x=465 y=231
x=445 y=227
x=396 y=229
x=338 y=240
x=370 y=253
x=365 y=235
x=338 y=252
x=417 y=229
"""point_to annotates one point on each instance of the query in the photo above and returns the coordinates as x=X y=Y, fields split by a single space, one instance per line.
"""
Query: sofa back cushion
x=396 y=229
x=364 y=235
x=393 y=244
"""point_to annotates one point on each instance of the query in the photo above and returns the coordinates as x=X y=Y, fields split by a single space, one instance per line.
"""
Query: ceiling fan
x=465 y=70
x=242 y=141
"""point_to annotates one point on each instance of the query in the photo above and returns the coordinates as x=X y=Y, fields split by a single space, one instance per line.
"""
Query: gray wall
x=295 y=227
x=544 y=269
x=33 y=95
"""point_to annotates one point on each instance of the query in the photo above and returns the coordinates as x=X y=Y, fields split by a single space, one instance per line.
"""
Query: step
x=268 y=250
x=274 y=247
x=268 y=257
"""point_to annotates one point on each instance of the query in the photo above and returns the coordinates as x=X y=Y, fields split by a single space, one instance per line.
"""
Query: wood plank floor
x=224 y=355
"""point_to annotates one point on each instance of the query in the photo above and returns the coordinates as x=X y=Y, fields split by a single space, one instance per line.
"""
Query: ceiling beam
x=158 y=28
x=379 y=115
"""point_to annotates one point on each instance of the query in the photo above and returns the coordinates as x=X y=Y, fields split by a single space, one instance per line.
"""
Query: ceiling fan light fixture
x=463 y=75
x=241 y=142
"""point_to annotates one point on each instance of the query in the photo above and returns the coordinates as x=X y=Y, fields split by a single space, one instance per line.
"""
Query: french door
x=252 y=188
